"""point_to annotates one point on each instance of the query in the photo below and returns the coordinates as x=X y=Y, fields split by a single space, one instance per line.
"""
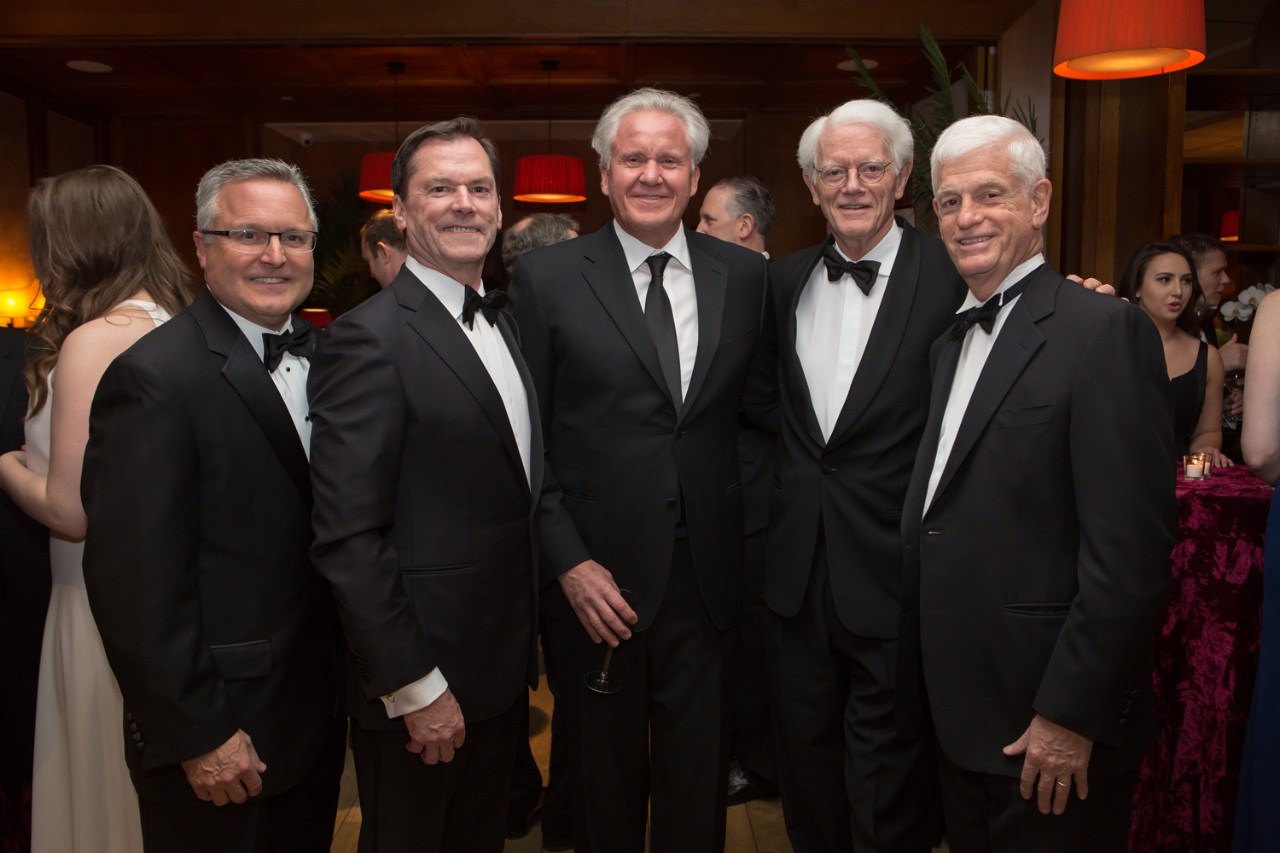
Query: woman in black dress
x=1161 y=280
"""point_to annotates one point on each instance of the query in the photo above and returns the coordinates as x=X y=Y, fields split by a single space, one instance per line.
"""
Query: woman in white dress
x=109 y=274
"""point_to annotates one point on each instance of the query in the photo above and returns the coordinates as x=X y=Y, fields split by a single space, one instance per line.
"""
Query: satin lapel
x=249 y=378
x=943 y=375
x=612 y=284
x=797 y=387
x=440 y=331
x=710 y=283
x=886 y=334
x=1019 y=339
x=506 y=325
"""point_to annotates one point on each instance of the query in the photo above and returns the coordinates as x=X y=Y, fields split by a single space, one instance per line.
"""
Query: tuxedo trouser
x=986 y=814
x=848 y=781
x=750 y=728
x=656 y=749
x=408 y=806
x=526 y=778
x=299 y=820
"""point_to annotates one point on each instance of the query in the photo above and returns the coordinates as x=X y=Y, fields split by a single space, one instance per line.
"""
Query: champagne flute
x=1234 y=382
x=601 y=680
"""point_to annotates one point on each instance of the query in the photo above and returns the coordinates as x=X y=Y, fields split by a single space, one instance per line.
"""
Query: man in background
x=533 y=232
x=382 y=247
x=24 y=600
x=738 y=210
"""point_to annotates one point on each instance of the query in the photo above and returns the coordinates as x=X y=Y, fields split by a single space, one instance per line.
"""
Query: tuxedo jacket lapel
x=797 y=386
x=710 y=281
x=1019 y=339
x=246 y=373
x=441 y=332
x=507 y=326
x=944 y=373
x=886 y=334
x=610 y=280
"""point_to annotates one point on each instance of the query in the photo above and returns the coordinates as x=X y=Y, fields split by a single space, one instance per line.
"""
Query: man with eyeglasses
x=198 y=497
x=855 y=316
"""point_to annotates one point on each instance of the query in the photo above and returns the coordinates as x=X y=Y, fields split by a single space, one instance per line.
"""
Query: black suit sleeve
x=359 y=416
x=1121 y=447
x=141 y=564
x=562 y=545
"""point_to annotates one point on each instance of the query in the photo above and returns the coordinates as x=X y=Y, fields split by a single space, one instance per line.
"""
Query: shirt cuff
x=416 y=696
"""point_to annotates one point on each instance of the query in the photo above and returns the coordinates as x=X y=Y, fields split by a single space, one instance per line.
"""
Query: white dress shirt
x=833 y=323
x=492 y=349
x=677 y=279
x=290 y=375
x=974 y=351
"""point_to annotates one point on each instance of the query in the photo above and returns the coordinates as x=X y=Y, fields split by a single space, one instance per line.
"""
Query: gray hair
x=695 y=124
x=1026 y=154
x=748 y=194
x=539 y=229
x=239 y=171
x=880 y=117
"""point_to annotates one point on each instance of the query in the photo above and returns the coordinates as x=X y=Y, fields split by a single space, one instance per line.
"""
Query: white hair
x=696 y=128
x=880 y=117
x=1026 y=154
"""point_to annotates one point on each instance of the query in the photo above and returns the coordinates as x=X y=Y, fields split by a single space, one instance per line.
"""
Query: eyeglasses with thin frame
x=871 y=172
x=251 y=240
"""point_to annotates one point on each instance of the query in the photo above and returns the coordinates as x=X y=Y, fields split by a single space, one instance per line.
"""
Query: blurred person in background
x=1161 y=280
x=1257 y=819
x=109 y=275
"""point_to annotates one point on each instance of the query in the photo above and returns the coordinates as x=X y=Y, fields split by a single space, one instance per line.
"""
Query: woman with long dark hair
x=1161 y=280
x=109 y=275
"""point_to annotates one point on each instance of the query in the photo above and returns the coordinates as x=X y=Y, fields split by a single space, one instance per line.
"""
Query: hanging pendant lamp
x=1119 y=39
x=550 y=178
x=375 y=169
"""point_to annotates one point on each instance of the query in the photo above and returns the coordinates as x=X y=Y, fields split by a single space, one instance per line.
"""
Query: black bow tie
x=984 y=315
x=864 y=272
x=489 y=305
x=301 y=342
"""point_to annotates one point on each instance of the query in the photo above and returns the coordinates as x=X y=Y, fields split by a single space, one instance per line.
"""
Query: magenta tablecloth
x=1205 y=660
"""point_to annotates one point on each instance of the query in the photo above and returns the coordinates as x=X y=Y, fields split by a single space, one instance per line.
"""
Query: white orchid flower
x=1251 y=296
x=1235 y=312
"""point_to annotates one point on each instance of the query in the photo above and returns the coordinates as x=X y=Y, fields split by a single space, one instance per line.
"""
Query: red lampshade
x=375 y=177
x=1230 y=226
x=550 y=178
x=319 y=317
x=1116 y=39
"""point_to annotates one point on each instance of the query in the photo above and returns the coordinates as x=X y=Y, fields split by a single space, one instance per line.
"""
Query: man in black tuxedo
x=426 y=458
x=639 y=337
x=1038 y=523
x=854 y=319
x=24 y=600
x=740 y=210
x=198 y=500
